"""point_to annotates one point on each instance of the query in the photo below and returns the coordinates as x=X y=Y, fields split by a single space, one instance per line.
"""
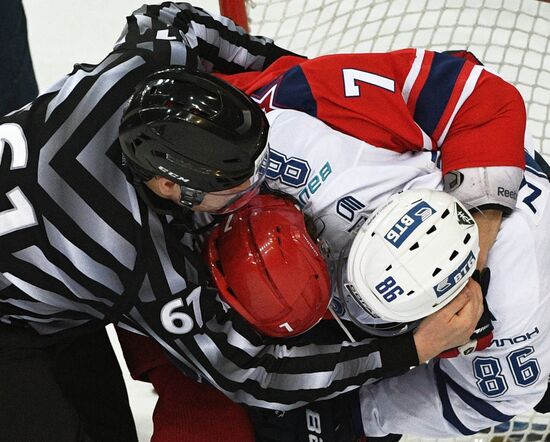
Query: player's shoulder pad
x=485 y=187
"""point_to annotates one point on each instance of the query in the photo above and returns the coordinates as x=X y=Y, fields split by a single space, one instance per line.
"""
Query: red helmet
x=268 y=269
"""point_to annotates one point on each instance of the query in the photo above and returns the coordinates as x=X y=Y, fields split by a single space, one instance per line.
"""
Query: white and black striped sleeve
x=209 y=341
x=286 y=375
x=185 y=35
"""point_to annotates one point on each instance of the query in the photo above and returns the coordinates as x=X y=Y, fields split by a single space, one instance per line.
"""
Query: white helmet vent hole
x=467 y=238
x=410 y=293
x=436 y=271
x=414 y=246
x=453 y=255
x=431 y=230
x=445 y=214
x=388 y=268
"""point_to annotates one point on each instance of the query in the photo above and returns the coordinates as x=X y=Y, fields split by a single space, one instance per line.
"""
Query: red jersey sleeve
x=489 y=129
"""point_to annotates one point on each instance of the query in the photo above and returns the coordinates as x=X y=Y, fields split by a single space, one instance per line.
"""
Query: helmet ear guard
x=268 y=269
x=410 y=258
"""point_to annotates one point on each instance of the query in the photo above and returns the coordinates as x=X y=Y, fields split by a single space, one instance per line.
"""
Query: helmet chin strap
x=341 y=324
x=191 y=197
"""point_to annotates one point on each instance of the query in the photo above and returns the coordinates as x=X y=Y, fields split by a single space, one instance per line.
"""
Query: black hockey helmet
x=196 y=130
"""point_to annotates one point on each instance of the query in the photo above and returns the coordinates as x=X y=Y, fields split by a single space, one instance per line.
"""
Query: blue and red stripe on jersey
x=436 y=93
x=291 y=90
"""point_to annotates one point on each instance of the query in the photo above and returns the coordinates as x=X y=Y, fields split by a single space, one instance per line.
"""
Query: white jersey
x=336 y=177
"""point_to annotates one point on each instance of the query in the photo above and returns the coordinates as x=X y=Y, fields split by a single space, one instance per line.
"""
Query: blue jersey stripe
x=535 y=172
x=293 y=92
x=479 y=405
x=448 y=412
x=437 y=91
x=533 y=166
x=531 y=163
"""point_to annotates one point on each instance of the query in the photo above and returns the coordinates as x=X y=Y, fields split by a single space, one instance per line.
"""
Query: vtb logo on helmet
x=411 y=258
x=194 y=129
x=401 y=230
x=268 y=269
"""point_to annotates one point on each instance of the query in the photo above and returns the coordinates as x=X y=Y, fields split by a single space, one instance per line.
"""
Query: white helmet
x=408 y=260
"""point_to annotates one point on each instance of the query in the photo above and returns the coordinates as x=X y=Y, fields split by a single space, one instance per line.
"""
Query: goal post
x=511 y=37
x=236 y=10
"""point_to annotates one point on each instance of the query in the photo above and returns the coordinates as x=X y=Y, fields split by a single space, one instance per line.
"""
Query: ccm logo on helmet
x=172 y=174
x=455 y=277
x=408 y=223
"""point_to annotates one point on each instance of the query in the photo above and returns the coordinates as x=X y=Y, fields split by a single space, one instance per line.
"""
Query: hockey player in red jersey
x=405 y=100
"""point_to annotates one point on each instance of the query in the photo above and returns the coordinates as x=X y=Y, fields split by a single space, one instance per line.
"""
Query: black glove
x=484 y=326
x=483 y=334
x=333 y=420
x=544 y=405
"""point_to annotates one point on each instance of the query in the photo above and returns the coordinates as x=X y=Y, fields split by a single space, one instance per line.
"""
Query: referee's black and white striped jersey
x=77 y=246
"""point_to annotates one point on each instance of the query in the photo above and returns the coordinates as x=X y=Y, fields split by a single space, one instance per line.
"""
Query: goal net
x=510 y=37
